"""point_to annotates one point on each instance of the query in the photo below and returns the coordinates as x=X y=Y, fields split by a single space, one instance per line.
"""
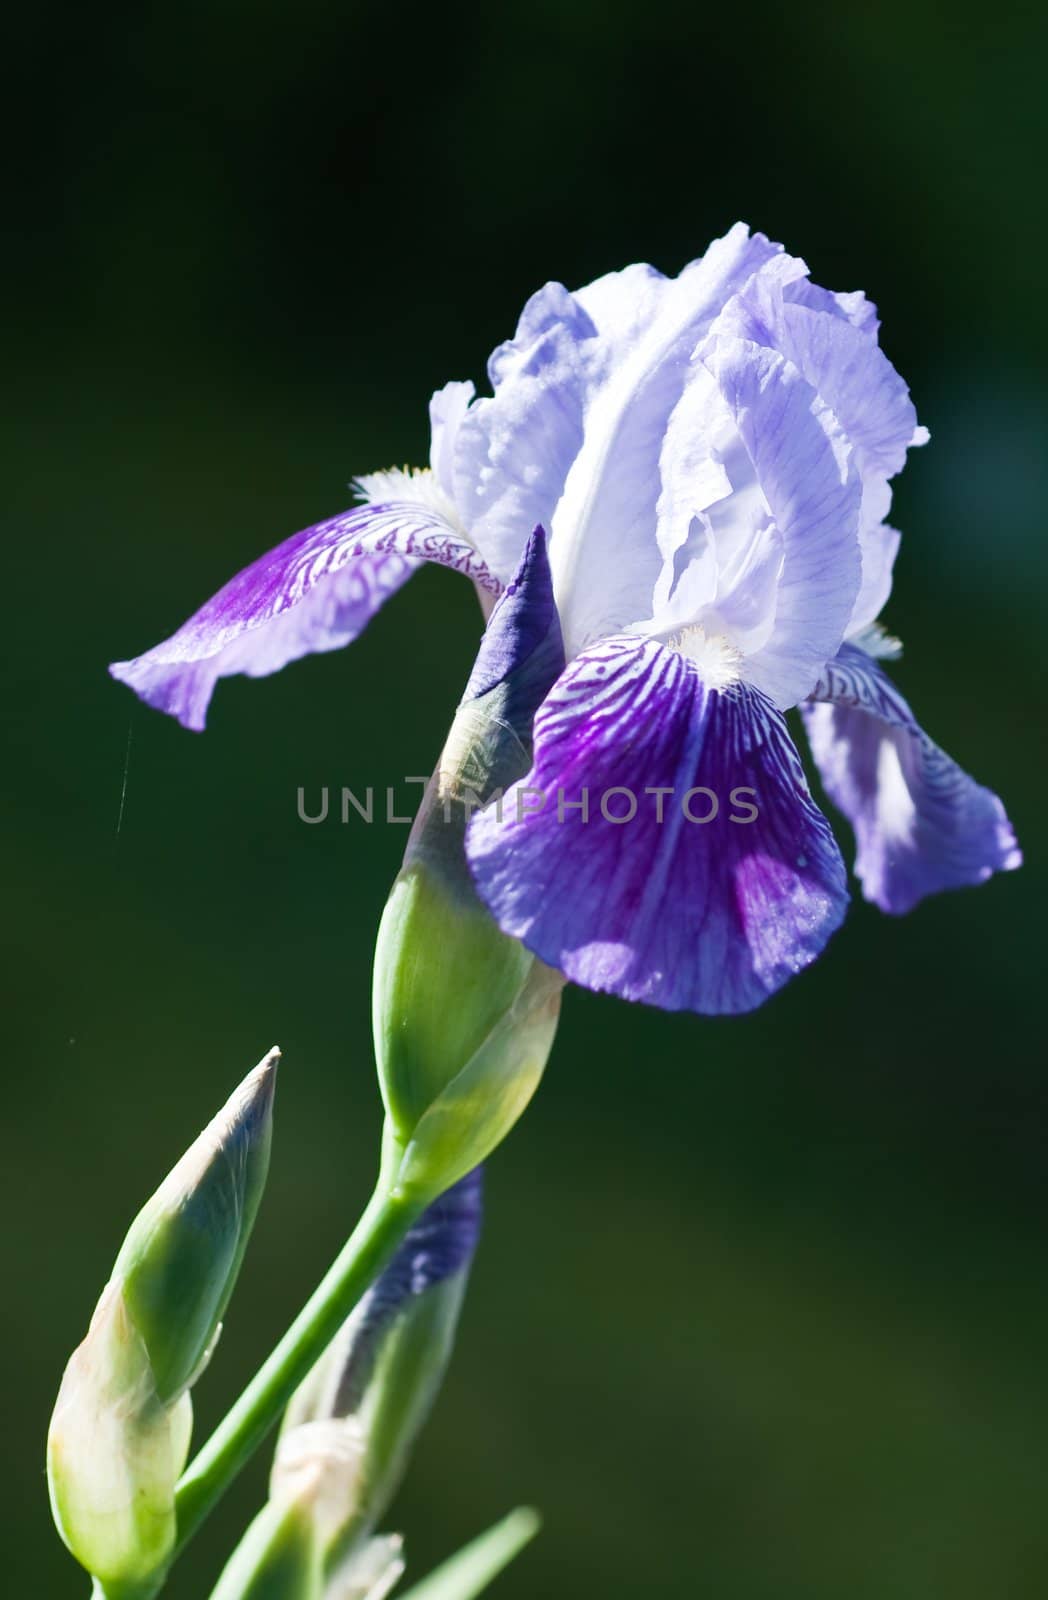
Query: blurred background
x=762 y=1307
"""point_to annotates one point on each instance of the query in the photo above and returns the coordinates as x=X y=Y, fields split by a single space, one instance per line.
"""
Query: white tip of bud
x=371 y=1573
x=321 y=1465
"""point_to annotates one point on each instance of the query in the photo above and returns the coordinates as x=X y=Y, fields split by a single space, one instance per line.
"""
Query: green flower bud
x=180 y=1260
x=361 y=1408
x=115 y=1453
x=279 y=1559
x=464 y=1016
x=120 y=1431
x=351 y=1424
x=280 y=1556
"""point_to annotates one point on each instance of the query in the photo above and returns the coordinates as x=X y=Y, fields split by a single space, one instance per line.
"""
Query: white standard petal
x=571 y=439
x=447 y=409
x=604 y=548
x=770 y=570
x=512 y=453
x=843 y=364
x=879 y=545
x=723 y=553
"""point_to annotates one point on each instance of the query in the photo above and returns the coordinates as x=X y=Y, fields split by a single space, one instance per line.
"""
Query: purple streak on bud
x=522 y=651
x=439 y=1245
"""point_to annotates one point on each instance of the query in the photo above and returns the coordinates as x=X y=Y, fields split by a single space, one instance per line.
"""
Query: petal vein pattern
x=922 y=824
x=316 y=591
x=654 y=902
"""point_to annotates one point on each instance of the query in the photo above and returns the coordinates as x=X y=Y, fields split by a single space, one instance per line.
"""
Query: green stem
x=368 y=1249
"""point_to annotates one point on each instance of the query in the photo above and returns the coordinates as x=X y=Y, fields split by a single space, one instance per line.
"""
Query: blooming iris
x=710 y=458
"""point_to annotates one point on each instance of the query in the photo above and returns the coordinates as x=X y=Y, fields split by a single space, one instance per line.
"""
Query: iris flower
x=709 y=457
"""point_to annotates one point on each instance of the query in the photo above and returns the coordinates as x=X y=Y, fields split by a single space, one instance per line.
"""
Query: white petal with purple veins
x=846 y=367
x=604 y=549
x=513 y=452
x=780 y=558
x=879 y=546
x=852 y=305
x=447 y=410
x=316 y=591
x=572 y=437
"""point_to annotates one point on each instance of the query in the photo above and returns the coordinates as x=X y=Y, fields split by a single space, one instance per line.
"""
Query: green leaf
x=474 y=1567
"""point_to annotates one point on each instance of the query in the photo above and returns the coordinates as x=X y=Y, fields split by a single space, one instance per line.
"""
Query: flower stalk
x=464 y=1016
x=370 y=1247
x=350 y=1427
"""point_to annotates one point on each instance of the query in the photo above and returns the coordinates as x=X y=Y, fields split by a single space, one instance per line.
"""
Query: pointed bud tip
x=252 y=1099
x=267 y=1067
x=523 y=625
x=180 y=1258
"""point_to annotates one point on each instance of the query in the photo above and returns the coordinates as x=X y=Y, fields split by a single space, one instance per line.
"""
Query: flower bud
x=120 y=1431
x=115 y=1453
x=464 y=1016
x=180 y=1260
x=279 y=1559
x=350 y=1426
x=360 y=1410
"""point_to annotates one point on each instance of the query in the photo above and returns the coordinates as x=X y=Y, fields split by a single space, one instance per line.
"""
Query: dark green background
x=761 y=1311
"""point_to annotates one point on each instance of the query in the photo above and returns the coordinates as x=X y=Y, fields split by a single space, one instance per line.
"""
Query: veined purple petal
x=921 y=823
x=316 y=591
x=638 y=894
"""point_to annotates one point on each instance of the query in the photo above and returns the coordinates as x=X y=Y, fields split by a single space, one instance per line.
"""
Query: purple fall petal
x=316 y=591
x=921 y=823
x=683 y=914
